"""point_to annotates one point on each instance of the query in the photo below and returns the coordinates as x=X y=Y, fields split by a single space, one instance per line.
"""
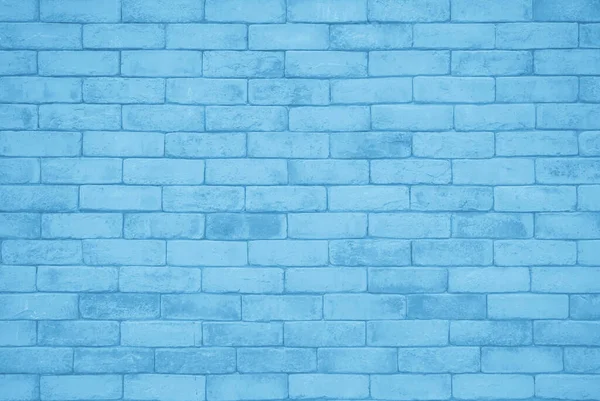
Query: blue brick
x=161 y=334
x=412 y=117
x=163 y=172
x=409 y=225
x=455 y=198
x=357 y=360
x=266 y=360
x=19 y=225
x=254 y=334
x=371 y=145
x=368 y=198
x=286 y=198
x=246 y=118
x=439 y=360
x=497 y=117
x=407 y=333
x=370 y=36
x=202 y=199
x=328 y=172
x=206 y=36
x=78 y=333
x=252 y=11
x=568 y=226
x=80 y=117
x=208 y=253
x=113 y=360
x=589 y=35
x=565 y=332
x=521 y=360
x=19 y=387
x=81 y=171
x=327 y=225
x=81 y=63
x=288 y=253
x=288 y=37
x=19 y=171
x=407 y=280
x=39 y=143
x=162 y=10
x=554 y=10
x=572 y=61
x=13 y=116
x=337 y=386
x=582 y=360
x=324 y=334
x=446 y=306
x=288 y=91
x=164 y=387
x=159 y=279
x=454 y=36
x=50 y=252
x=563 y=386
x=76 y=279
x=489 y=386
x=536 y=143
x=36 y=360
x=588 y=197
x=206 y=91
x=248 y=64
x=81 y=387
x=119 y=306
x=589 y=89
x=40 y=36
x=497 y=171
x=528 y=306
x=410 y=171
x=409 y=62
x=244 y=387
x=163 y=225
x=198 y=361
x=472 y=145
x=488 y=279
x=40 y=90
x=38 y=306
x=119 y=197
x=537 y=198
x=568 y=171
x=536 y=35
x=587 y=253
x=363 y=307
x=281 y=307
x=490 y=332
x=246 y=171
x=568 y=116
x=200 y=145
x=585 y=307
x=161 y=63
x=18 y=333
x=18 y=62
x=123 y=36
x=496 y=62
x=325 y=279
x=534 y=252
x=410 y=386
x=452 y=252
x=19 y=10
x=333 y=118
x=123 y=90
x=372 y=90
x=325 y=64
x=286 y=144
x=245 y=226
x=491 y=10
x=378 y=252
x=48 y=198
x=80 y=11
x=163 y=117
x=327 y=10
x=566 y=279
x=453 y=89
x=17 y=278
x=120 y=251
x=409 y=11
x=201 y=306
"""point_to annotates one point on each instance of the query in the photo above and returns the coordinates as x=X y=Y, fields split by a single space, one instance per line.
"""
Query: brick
x=453 y=89
x=161 y=63
x=325 y=279
x=63 y=63
x=205 y=145
x=119 y=306
x=39 y=143
x=80 y=117
x=454 y=36
x=568 y=171
x=38 y=306
x=584 y=307
x=409 y=11
x=40 y=90
x=81 y=387
x=246 y=172
x=568 y=116
x=536 y=35
x=206 y=91
x=453 y=145
x=163 y=172
x=202 y=199
x=281 y=307
x=368 y=198
x=119 y=197
x=328 y=172
x=582 y=360
x=47 y=198
x=491 y=10
x=370 y=36
x=163 y=225
x=536 y=89
x=124 y=144
x=410 y=171
x=16 y=10
x=439 y=360
x=327 y=11
x=195 y=361
x=363 y=307
x=521 y=360
x=17 y=278
x=78 y=333
x=123 y=90
x=536 y=143
x=36 y=360
x=245 y=226
x=207 y=253
x=81 y=171
x=324 y=334
x=565 y=279
x=19 y=225
x=412 y=117
x=488 y=279
x=451 y=198
x=326 y=64
x=496 y=117
x=242 y=280
x=410 y=386
x=497 y=171
x=242 y=118
x=121 y=251
x=288 y=198
x=327 y=225
x=409 y=62
x=247 y=334
x=407 y=280
x=372 y=90
x=333 y=118
x=19 y=171
x=201 y=307
x=288 y=37
x=80 y=11
x=587 y=254
x=537 y=198
x=534 y=252
x=553 y=10
x=288 y=91
x=246 y=387
x=371 y=145
x=564 y=332
x=589 y=35
x=409 y=225
x=247 y=64
x=589 y=89
x=567 y=386
x=77 y=279
x=477 y=386
x=161 y=334
x=378 y=252
x=564 y=62
x=254 y=11
x=163 y=118
x=19 y=387
x=113 y=360
x=162 y=10
x=318 y=385
x=123 y=36
x=490 y=332
x=357 y=360
x=587 y=197
x=157 y=387
x=493 y=62
x=288 y=144
x=528 y=306
x=567 y=226
x=16 y=116
x=40 y=36
x=159 y=279
x=206 y=36
x=446 y=306
x=407 y=333
x=275 y=360
x=50 y=252
x=452 y=252
x=18 y=62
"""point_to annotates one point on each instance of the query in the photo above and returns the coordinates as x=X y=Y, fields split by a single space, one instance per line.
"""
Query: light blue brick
x=490 y=332
x=370 y=145
x=19 y=171
x=589 y=35
x=162 y=10
x=195 y=361
x=163 y=225
x=165 y=117
x=38 y=306
x=371 y=90
x=163 y=172
x=246 y=171
x=357 y=360
x=454 y=36
x=288 y=144
x=247 y=64
x=288 y=37
x=494 y=62
x=453 y=252
x=40 y=36
x=521 y=360
x=164 y=387
x=204 y=145
x=327 y=10
x=378 y=252
x=582 y=360
x=123 y=90
x=287 y=253
x=19 y=225
x=412 y=171
x=13 y=116
x=19 y=387
x=567 y=386
x=568 y=116
x=159 y=279
x=267 y=360
x=409 y=11
x=585 y=307
x=17 y=278
x=81 y=171
x=39 y=143
x=528 y=306
x=488 y=279
x=81 y=387
x=327 y=225
x=161 y=63
x=446 y=306
x=36 y=360
x=288 y=91
x=368 y=198
x=202 y=199
x=497 y=171
x=567 y=225
x=119 y=306
x=453 y=89
x=252 y=11
x=207 y=253
x=410 y=386
x=51 y=252
x=398 y=333
x=315 y=172
x=588 y=196
x=246 y=118
x=286 y=198
x=409 y=62
x=17 y=10
x=161 y=334
x=18 y=333
x=409 y=225
x=566 y=279
x=439 y=360
x=206 y=36
x=565 y=332
x=119 y=198
x=536 y=35
x=80 y=63
x=536 y=143
x=113 y=360
x=568 y=171
x=363 y=307
x=254 y=334
x=245 y=387
x=325 y=279
x=320 y=385
x=536 y=89
x=18 y=62
x=40 y=90
x=407 y=280
x=539 y=198
x=589 y=89
x=324 y=334
x=77 y=279
x=123 y=36
x=326 y=64
x=121 y=251
x=370 y=36
x=489 y=386
x=47 y=198
x=451 y=198
x=412 y=117
x=281 y=307
x=534 y=252
x=443 y=145
x=497 y=117
x=555 y=10
x=80 y=11
x=564 y=62
x=491 y=10
x=333 y=118
x=80 y=117
x=78 y=333
x=245 y=226
x=206 y=91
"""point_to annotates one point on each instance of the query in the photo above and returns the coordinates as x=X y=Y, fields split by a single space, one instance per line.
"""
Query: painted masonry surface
x=231 y=200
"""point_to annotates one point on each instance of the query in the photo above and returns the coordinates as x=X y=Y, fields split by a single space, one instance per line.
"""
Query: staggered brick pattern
x=231 y=200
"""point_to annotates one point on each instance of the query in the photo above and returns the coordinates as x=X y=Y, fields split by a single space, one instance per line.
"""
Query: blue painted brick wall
x=247 y=200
